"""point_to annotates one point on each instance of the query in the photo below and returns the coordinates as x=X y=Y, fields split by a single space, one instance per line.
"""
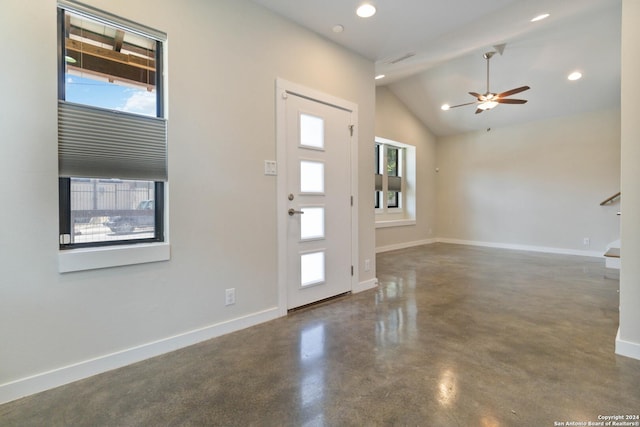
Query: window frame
x=66 y=224
x=382 y=205
x=399 y=172
x=406 y=214
x=64 y=182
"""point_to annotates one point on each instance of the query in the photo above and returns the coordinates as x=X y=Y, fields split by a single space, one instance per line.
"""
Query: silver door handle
x=292 y=212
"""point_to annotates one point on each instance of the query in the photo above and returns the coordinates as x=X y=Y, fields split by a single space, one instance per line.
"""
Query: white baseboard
x=68 y=374
x=365 y=286
x=561 y=251
x=404 y=245
x=627 y=348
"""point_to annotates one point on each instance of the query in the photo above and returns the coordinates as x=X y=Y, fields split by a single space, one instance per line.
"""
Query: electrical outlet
x=230 y=296
x=586 y=241
x=367 y=264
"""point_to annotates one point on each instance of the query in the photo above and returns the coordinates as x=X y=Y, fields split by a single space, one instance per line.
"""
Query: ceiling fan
x=489 y=100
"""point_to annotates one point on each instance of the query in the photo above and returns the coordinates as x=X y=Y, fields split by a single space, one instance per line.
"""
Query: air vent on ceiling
x=401 y=58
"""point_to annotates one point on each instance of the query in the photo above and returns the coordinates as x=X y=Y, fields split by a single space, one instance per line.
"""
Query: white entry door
x=317 y=188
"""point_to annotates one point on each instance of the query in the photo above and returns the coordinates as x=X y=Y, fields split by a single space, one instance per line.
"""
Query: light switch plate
x=270 y=167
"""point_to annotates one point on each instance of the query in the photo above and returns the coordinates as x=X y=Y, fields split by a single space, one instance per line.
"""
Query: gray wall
x=223 y=61
x=537 y=184
x=394 y=121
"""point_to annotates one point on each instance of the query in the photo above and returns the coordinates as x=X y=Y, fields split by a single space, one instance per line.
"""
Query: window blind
x=99 y=143
x=394 y=183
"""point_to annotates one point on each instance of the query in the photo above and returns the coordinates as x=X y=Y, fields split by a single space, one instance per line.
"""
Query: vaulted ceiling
x=431 y=53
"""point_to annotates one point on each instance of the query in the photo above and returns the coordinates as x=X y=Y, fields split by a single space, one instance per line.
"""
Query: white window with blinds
x=395 y=183
x=112 y=133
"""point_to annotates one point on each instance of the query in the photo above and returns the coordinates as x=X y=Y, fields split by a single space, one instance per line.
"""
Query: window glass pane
x=392 y=161
x=311 y=177
x=312 y=223
x=392 y=199
x=393 y=170
x=378 y=176
x=311 y=269
x=311 y=131
x=107 y=210
x=108 y=67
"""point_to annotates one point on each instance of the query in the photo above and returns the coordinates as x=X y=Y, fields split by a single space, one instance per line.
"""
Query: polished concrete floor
x=453 y=336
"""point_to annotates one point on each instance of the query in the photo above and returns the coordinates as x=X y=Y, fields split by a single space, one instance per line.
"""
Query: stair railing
x=610 y=199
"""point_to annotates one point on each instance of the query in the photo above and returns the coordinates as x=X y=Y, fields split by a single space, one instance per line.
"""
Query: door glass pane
x=312 y=223
x=311 y=131
x=311 y=268
x=311 y=177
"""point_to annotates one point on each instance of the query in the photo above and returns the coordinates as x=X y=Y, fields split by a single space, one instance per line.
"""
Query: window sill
x=395 y=223
x=112 y=256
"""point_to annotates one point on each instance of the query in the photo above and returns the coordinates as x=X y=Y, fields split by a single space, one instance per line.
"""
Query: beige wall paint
x=394 y=121
x=630 y=177
x=223 y=61
x=537 y=184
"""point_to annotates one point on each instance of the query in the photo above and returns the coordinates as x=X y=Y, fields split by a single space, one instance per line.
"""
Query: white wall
x=394 y=121
x=628 y=341
x=537 y=184
x=223 y=60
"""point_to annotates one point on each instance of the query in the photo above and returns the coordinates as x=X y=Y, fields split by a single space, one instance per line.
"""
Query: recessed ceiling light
x=380 y=76
x=445 y=107
x=576 y=75
x=337 y=28
x=366 y=11
x=540 y=17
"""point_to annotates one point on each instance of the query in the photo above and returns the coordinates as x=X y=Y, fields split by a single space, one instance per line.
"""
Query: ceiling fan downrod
x=488 y=56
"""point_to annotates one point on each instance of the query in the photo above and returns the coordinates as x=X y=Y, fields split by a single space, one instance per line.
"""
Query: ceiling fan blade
x=462 y=105
x=479 y=110
x=511 y=101
x=513 y=91
x=477 y=95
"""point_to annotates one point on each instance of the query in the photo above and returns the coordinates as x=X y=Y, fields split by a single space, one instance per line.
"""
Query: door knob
x=292 y=212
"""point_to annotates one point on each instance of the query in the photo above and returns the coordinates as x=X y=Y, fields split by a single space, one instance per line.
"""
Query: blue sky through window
x=83 y=90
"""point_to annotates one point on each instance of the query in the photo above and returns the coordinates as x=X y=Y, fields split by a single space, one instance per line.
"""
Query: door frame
x=283 y=89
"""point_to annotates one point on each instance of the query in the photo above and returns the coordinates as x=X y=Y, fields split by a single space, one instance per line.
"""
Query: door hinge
x=351 y=129
x=351 y=200
x=352 y=270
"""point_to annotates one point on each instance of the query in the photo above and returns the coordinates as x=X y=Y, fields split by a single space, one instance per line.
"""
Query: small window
x=395 y=183
x=389 y=176
x=393 y=177
x=112 y=144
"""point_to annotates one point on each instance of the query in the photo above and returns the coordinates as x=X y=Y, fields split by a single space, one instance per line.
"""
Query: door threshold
x=319 y=302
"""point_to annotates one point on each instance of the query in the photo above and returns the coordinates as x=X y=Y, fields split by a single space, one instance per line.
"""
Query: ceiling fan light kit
x=490 y=100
